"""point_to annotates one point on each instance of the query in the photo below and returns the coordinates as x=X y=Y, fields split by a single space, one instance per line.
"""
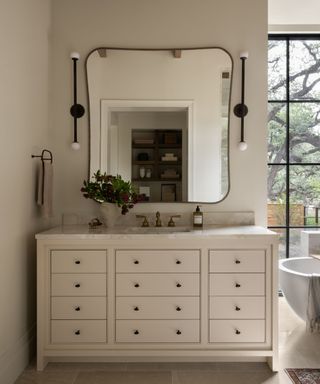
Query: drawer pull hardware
x=237 y=261
x=77 y=332
x=136 y=262
x=137 y=285
x=178 y=262
x=77 y=262
x=178 y=309
x=136 y=332
x=237 y=308
x=238 y=285
x=77 y=285
x=178 y=332
x=77 y=309
x=136 y=309
x=238 y=332
x=178 y=285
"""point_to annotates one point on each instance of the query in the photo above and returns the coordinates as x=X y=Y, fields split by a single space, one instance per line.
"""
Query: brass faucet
x=158 y=221
x=145 y=222
x=171 y=223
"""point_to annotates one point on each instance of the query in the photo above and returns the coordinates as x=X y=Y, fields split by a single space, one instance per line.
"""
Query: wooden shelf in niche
x=164 y=142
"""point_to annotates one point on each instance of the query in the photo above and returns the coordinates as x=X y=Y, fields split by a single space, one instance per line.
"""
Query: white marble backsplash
x=129 y=220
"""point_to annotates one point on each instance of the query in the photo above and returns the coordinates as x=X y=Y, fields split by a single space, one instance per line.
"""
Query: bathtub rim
x=288 y=270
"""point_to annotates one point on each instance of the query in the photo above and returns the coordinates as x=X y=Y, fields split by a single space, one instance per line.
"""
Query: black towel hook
x=43 y=156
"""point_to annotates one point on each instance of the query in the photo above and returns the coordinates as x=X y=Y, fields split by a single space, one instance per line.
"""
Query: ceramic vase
x=110 y=213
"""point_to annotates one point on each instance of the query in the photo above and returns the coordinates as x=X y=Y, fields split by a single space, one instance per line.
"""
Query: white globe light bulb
x=75 y=55
x=244 y=55
x=75 y=146
x=242 y=146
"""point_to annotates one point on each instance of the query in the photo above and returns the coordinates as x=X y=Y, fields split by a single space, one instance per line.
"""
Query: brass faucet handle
x=158 y=221
x=145 y=222
x=171 y=223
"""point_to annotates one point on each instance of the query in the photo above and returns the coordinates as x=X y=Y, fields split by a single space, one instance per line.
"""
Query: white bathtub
x=294 y=277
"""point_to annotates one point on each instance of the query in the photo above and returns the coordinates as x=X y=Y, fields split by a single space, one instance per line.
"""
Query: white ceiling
x=293 y=12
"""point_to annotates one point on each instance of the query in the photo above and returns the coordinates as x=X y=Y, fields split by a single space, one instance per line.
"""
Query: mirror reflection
x=162 y=121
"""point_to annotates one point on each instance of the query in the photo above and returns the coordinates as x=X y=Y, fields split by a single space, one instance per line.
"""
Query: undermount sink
x=157 y=230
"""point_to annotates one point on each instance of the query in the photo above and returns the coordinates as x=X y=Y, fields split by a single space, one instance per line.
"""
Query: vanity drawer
x=237 y=331
x=237 y=261
x=157 y=308
x=78 y=331
x=237 y=307
x=82 y=261
x=78 y=284
x=242 y=284
x=78 y=308
x=157 y=284
x=140 y=261
x=157 y=331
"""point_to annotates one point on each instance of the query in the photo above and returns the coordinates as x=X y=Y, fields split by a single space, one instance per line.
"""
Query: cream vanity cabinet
x=197 y=296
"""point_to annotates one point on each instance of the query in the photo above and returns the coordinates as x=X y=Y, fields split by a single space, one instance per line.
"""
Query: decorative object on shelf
x=148 y=173
x=144 y=193
x=241 y=110
x=169 y=157
x=143 y=157
x=168 y=192
x=170 y=173
x=77 y=110
x=110 y=189
x=142 y=172
x=45 y=183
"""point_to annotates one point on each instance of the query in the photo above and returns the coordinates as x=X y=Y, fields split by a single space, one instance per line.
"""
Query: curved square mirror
x=161 y=119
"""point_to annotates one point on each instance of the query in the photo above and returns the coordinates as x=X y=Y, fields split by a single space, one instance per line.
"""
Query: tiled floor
x=297 y=349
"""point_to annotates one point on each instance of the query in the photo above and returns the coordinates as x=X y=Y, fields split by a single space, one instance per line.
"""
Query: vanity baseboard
x=161 y=297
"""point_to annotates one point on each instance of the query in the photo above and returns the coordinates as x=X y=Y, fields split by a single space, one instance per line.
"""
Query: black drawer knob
x=178 y=285
x=178 y=309
x=178 y=332
x=136 y=332
x=77 y=262
x=238 y=285
x=77 y=285
x=137 y=285
x=136 y=309
x=77 y=332
x=136 y=262
x=238 y=332
x=237 y=261
x=178 y=262
x=237 y=308
x=77 y=309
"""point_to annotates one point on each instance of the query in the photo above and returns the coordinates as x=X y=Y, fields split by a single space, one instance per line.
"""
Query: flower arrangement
x=110 y=189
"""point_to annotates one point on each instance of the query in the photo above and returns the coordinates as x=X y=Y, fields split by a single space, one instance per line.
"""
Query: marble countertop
x=84 y=232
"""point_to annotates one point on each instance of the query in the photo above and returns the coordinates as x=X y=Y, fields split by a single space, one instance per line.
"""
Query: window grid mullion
x=287 y=38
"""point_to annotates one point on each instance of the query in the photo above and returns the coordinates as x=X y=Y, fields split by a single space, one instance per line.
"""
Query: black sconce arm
x=241 y=110
x=77 y=110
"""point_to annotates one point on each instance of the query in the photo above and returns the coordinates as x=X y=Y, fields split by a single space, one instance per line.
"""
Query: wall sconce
x=77 y=110
x=241 y=110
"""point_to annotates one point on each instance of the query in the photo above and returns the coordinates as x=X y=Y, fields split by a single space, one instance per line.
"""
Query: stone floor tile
x=124 y=378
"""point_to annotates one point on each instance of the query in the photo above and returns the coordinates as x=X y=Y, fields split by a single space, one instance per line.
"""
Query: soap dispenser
x=197 y=218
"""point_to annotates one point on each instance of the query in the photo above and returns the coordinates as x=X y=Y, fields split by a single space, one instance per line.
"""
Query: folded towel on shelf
x=45 y=189
x=313 y=308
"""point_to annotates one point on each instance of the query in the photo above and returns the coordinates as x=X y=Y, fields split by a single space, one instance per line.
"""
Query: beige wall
x=24 y=27
x=81 y=25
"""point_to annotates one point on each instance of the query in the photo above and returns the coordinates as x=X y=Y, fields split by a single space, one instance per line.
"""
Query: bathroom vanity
x=148 y=295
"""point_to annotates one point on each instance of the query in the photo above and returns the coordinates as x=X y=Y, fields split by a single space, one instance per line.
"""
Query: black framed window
x=293 y=137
